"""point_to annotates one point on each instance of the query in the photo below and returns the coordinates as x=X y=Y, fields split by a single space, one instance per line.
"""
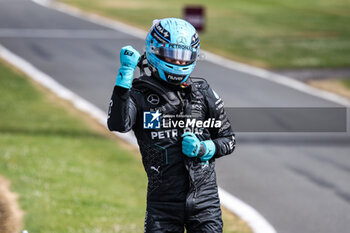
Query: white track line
x=60 y=33
x=258 y=223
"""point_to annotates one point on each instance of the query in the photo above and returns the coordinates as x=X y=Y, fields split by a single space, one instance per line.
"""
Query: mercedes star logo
x=153 y=99
x=181 y=40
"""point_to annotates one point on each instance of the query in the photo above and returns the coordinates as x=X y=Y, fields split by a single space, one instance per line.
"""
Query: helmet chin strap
x=154 y=71
x=142 y=65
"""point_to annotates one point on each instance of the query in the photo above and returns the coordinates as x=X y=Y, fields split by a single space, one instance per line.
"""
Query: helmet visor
x=175 y=53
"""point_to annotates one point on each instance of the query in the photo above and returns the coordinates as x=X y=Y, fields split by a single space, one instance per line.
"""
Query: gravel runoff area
x=10 y=213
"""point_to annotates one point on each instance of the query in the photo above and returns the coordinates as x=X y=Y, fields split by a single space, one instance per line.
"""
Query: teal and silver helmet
x=172 y=48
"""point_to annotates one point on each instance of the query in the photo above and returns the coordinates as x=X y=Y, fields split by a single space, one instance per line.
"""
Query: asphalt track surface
x=298 y=181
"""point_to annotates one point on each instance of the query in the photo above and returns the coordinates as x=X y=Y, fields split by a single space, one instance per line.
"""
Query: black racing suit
x=182 y=191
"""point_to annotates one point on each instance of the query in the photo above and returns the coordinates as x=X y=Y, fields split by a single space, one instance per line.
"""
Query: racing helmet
x=172 y=48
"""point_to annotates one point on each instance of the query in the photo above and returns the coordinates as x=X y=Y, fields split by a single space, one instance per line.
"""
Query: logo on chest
x=153 y=99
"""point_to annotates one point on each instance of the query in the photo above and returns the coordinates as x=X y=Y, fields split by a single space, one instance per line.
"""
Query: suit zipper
x=182 y=102
x=193 y=194
x=194 y=197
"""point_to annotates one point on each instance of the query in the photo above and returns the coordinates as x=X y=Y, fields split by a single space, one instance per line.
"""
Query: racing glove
x=192 y=147
x=129 y=57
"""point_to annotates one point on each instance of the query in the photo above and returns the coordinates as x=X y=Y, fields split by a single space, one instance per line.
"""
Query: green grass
x=69 y=177
x=346 y=83
x=267 y=33
x=70 y=174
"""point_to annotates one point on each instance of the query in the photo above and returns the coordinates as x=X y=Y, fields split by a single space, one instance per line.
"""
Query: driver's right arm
x=122 y=109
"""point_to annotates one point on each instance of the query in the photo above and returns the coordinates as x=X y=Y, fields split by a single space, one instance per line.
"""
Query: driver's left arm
x=223 y=137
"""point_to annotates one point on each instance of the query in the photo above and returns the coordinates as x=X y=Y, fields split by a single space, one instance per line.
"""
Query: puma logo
x=156 y=169
x=205 y=164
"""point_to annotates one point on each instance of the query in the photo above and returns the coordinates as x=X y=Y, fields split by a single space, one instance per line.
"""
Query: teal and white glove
x=129 y=57
x=192 y=147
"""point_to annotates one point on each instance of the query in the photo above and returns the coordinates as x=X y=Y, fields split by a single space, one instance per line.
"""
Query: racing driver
x=180 y=126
